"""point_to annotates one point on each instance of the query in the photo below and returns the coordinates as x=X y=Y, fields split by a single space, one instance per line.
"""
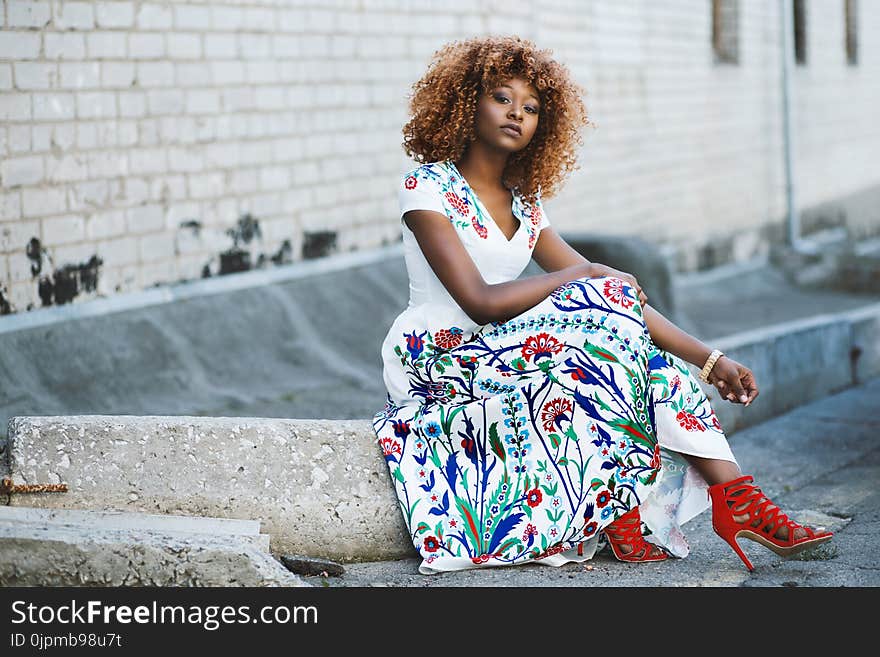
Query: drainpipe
x=793 y=223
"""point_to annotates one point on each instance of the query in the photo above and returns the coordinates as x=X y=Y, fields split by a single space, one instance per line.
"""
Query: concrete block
x=25 y=45
x=34 y=554
x=319 y=487
x=810 y=363
x=65 y=45
x=247 y=531
x=866 y=343
x=797 y=362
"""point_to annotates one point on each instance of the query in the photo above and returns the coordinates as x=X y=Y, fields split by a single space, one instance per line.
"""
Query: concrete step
x=42 y=547
x=247 y=531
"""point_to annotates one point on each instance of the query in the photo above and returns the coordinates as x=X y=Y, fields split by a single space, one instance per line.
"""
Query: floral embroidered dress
x=519 y=441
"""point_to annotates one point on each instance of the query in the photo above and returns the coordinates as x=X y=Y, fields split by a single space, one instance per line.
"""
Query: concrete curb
x=36 y=554
x=321 y=487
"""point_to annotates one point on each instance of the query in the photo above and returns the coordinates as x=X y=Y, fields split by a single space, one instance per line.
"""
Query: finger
x=750 y=386
x=738 y=391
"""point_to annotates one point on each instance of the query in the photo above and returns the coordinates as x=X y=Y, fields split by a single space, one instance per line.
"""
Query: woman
x=526 y=420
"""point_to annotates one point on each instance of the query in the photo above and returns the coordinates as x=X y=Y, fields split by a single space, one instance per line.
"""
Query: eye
x=533 y=110
x=499 y=98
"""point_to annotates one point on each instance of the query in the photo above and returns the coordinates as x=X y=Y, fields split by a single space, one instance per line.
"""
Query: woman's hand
x=734 y=381
x=604 y=270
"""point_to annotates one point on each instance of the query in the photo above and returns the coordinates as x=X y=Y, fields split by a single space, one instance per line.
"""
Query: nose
x=515 y=111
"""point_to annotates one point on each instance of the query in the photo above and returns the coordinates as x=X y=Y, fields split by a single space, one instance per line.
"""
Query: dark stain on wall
x=237 y=259
x=34 y=251
x=5 y=308
x=68 y=281
x=284 y=255
x=318 y=243
x=194 y=224
x=64 y=283
x=245 y=231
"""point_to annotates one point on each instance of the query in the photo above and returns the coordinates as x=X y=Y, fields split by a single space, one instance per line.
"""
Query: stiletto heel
x=764 y=519
x=627 y=530
x=731 y=540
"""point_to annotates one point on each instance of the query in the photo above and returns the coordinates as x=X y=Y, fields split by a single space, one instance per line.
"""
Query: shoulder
x=428 y=176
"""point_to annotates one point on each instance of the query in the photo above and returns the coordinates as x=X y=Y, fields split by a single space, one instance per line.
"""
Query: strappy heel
x=627 y=530
x=741 y=497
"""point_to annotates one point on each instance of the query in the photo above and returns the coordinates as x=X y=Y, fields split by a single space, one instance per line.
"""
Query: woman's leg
x=714 y=471
x=719 y=471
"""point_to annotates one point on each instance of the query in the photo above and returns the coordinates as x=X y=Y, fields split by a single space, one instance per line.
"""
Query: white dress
x=519 y=441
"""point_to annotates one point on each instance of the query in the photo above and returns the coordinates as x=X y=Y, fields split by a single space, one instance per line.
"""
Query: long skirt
x=520 y=441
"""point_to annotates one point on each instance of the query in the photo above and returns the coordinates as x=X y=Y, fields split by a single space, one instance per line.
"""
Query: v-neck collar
x=485 y=210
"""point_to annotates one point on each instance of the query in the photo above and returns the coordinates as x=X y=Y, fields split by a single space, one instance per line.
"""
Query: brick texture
x=162 y=135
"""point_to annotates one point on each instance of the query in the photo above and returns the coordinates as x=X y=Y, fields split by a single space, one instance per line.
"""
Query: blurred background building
x=148 y=143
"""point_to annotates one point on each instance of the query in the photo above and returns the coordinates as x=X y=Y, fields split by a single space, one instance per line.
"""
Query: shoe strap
x=743 y=497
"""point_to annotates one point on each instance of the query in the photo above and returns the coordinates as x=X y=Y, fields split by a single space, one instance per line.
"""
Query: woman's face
x=513 y=102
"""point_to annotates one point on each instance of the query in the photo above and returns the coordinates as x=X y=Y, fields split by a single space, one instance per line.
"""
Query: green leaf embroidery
x=495 y=442
x=599 y=352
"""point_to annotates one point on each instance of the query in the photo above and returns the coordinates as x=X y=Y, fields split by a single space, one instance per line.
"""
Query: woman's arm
x=551 y=251
x=455 y=268
x=735 y=381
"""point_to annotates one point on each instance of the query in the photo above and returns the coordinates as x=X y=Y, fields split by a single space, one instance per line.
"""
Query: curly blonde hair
x=443 y=107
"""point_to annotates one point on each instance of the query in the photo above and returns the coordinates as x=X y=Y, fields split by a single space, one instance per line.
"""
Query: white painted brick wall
x=119 y=120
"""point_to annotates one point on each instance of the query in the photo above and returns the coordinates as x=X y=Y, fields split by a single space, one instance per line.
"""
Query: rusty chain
x=7 y=487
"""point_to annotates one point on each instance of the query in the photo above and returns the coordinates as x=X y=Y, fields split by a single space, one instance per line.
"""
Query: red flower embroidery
x=448 y=338
x=536 y=215
x=483 y=558
x=590 y=529
x=410 y=182
x=481 y=230
x=533 y=497
x=655 y=460
x=603 y=498
x=460 y=205
x=716 y=423
x=617 y=291
x=431 y=544
x=549 y=552
x=554 y=411
x=689 y=421
x=542 y=344
x=389 y=446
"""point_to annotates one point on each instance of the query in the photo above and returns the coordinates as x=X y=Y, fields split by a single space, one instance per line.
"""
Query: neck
x=482 y=168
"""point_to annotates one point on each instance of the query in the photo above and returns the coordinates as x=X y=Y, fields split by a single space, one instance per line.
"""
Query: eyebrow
x=511 y=88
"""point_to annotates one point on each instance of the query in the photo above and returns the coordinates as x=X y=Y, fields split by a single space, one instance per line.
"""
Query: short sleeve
x=418 y=192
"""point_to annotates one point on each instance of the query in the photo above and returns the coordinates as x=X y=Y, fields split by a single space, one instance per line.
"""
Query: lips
x=512 y=129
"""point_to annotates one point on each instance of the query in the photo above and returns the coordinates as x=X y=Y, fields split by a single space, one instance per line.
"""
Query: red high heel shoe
x=738 y=497
x=627 y=530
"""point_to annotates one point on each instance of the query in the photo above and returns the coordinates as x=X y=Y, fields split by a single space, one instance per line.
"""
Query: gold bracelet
x=710 y=363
